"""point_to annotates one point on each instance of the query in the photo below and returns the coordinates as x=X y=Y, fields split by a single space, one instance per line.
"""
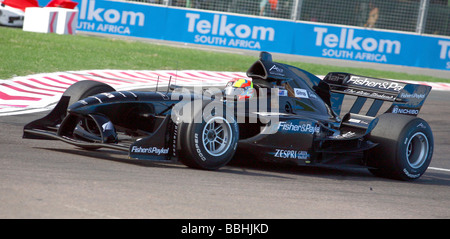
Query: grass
x=25 y=53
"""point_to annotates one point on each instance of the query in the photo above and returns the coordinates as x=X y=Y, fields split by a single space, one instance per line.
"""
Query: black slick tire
x=86 y=88
x=405 y=147
x=210 y=144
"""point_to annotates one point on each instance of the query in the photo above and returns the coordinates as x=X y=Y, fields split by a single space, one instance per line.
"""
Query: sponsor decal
x=149 y=150
x=421 y=125
x=307 y=128
x=301 y=93
x=336 y=77
x=375 y=83
x=282 y=92
x=291 y=154
x=407 y=173
x=398 y=110
x=445 y=52
x=275 y=70
x=223 y=32
x=357 y=121
x=197 y=148
x=369 y=94
x=312 y=95
x=348 y=45
x=108 y=20
x=412 y=96
x=174 y=139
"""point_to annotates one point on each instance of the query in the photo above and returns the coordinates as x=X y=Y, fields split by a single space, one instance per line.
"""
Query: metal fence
x=420 y=16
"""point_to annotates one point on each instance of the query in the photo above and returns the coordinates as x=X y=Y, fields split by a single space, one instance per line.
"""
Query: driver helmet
x=240 y=88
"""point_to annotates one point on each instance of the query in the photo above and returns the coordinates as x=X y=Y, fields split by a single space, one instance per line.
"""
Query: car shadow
x=335 y=172
x=239 y=166
x=254 y=167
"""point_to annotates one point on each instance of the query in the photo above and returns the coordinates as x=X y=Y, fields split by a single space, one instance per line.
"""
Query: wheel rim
x=216 y=136
x=417 y=150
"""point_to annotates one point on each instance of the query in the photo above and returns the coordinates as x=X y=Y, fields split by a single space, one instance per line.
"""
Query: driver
x=240 y=88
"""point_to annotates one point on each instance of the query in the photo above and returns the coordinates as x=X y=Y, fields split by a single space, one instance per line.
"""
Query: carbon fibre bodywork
x=301 y=124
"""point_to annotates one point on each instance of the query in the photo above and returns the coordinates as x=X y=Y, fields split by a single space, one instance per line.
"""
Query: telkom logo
x=347 y=40
x=220 y=26
x=110 y=15
x=445 y=51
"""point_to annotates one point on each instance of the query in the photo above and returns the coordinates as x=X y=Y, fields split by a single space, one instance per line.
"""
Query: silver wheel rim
x=216 y=136
x=417 y=150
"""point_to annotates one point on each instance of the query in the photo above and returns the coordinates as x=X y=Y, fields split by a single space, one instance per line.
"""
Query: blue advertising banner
x=121 y=18
x=228 y=30
x=435 y=52
x=368 y=45
x=263 y=34
x=352 y=44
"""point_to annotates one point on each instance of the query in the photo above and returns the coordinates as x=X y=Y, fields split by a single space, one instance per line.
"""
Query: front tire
x=79 y=91
x=210 y=144
x=86 y=88
x=405 y=147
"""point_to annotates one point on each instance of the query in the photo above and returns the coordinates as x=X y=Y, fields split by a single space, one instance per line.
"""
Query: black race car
x=293 y=116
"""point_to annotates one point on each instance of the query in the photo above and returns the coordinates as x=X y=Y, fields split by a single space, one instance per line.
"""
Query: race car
x=280 y=113
x=11 y=17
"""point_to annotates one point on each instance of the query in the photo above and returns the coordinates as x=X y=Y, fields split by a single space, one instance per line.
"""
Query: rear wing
x=406 y=98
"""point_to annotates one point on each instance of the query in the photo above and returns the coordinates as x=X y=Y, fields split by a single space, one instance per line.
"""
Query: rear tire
x=405 y=147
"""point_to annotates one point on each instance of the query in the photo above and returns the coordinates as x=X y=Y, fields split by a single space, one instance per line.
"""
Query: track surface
x=50 y=179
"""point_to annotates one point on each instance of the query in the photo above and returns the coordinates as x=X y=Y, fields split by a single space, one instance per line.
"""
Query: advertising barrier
x=229 y=30
x=263 y=34
x=368 y=45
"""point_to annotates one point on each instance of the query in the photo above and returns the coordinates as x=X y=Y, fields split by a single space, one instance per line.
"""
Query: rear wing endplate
x=406 y=98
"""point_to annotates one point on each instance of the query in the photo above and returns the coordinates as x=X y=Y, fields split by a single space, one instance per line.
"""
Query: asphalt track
x=51 y=179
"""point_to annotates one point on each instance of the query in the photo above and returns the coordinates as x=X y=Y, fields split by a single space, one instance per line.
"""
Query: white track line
x=439 y=169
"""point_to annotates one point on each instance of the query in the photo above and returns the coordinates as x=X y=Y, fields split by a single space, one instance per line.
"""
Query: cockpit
x=296 y=87
x=266 y=74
